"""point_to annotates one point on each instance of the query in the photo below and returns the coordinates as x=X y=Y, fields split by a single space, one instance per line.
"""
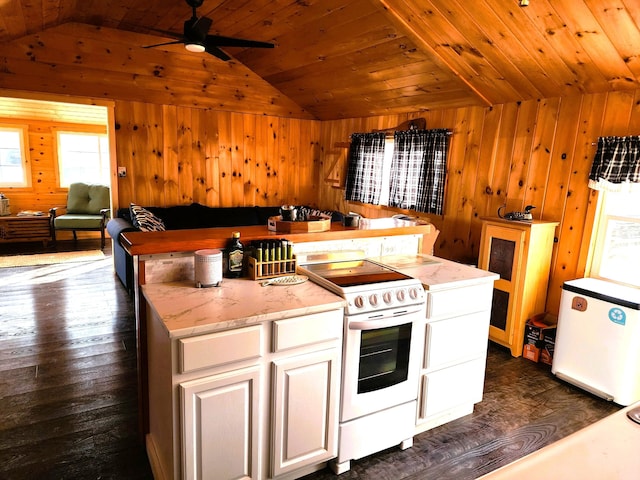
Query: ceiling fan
x=196 y=36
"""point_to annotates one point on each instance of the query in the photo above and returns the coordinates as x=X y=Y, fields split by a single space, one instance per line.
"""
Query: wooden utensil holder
x=276 y=268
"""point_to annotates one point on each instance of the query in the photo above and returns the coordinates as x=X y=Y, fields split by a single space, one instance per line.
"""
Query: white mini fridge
x=598 y=339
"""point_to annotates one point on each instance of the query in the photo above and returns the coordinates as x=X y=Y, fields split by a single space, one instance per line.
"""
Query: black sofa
x=181 y=217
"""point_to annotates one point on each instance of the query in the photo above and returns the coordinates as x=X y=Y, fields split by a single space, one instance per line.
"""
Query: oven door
x=382 y=354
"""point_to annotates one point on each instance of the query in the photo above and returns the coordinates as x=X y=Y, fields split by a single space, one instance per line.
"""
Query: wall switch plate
x=122 y=172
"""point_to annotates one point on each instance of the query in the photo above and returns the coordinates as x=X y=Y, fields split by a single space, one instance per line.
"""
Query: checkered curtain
x=364 y=173
x=418 y=170
x=616 y=165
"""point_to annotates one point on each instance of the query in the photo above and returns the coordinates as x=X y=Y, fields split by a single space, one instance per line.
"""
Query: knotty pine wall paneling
x=177 y=155
x=537 y=152
x=44 y=192
x=166 y=179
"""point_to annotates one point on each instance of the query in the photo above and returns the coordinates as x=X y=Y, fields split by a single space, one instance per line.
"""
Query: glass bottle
x=235 y=256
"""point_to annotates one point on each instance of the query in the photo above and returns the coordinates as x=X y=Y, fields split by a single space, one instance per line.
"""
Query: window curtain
x=364 y=172
x=418 y=170
x=616 y=166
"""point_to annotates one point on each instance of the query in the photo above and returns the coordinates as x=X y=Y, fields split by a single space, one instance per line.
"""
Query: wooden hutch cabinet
x=520 y=252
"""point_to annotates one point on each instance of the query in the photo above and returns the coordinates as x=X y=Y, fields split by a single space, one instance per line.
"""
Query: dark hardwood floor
x=68 y=385
x=69 y=404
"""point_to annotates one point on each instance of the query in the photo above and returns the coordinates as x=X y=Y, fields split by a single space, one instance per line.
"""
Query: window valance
x=616 y=165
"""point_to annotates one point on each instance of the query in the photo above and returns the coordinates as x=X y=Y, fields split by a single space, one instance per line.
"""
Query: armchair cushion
x=87 y=199
x=77 y=221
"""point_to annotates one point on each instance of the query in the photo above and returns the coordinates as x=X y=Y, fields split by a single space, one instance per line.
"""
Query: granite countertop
x=437 y=273
x=187 y=310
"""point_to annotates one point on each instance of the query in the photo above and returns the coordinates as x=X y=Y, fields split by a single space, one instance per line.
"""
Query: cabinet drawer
x=457 y=301
x=456 y=339
x=307 y=330
x=219 y=348
x=450 y=387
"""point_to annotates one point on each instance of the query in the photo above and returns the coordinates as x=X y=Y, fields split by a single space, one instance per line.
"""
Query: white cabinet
x=305 y=390
x=220 y=419
x=305 y=414
x=453 y=367
x=255 y=402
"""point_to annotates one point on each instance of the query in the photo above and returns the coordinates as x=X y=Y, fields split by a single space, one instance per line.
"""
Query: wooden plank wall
x=179 y=155
x=534 y=152
x=537 y=152
x=44 y=192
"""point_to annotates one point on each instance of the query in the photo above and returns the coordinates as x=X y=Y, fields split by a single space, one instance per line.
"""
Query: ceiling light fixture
x=524 y=3
x=194 y=47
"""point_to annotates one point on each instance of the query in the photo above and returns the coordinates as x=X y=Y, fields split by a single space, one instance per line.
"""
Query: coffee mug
x=351 y=220
x=289 y=213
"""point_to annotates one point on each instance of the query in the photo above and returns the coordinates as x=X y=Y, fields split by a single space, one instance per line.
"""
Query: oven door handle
x=385 y=322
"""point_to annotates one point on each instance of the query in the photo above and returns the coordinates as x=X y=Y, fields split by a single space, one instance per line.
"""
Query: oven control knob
x=400 y=295
x=387 y=297
x=373 y=300
x=413 y=293
x=358 y=301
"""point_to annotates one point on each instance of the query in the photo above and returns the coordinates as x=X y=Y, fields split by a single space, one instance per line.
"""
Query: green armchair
x=88 y=208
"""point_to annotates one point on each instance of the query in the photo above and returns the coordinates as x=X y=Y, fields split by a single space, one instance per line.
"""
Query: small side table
x=28 y=228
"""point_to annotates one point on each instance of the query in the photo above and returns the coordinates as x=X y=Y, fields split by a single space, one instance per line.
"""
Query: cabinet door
x=502 y=253
x=455 y=340
x=304 y=420
x=450 y=387
x=220 y=426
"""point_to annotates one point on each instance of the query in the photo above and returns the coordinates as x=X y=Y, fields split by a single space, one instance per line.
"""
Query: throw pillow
x=305 y=212
x=145 y=220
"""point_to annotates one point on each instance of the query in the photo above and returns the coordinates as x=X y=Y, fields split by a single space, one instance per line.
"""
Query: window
x=14 y=165
x=406 y=172
x=83 y=157
x=616 y=234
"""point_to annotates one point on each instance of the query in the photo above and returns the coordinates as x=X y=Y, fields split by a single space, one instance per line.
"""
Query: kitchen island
x=161 y=257
x=244 y=380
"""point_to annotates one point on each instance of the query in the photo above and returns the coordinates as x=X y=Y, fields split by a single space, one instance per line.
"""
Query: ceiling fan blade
x=162 y=44
x=216 y=52
x=219 y=41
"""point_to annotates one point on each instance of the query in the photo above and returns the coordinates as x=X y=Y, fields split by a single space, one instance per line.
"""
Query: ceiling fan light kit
x=196 y=36
x=194 y=47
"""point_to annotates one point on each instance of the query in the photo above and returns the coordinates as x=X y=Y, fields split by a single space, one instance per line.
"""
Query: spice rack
x=270 y=269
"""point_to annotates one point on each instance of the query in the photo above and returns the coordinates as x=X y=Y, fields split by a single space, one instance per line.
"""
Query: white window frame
x=599 y=245
x=23 y=132
x=104 y=162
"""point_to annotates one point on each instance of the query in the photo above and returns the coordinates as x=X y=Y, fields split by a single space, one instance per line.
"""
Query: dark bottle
x=235 y=256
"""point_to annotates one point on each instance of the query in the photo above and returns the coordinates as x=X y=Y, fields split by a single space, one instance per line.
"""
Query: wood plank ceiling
x=357 y=58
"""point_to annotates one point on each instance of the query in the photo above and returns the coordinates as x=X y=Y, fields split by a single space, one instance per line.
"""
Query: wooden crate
x=314 y=224
x=25 y=228
x=271 y=269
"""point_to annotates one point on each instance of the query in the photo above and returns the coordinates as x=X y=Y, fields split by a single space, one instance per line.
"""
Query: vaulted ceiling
x=333 y=58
